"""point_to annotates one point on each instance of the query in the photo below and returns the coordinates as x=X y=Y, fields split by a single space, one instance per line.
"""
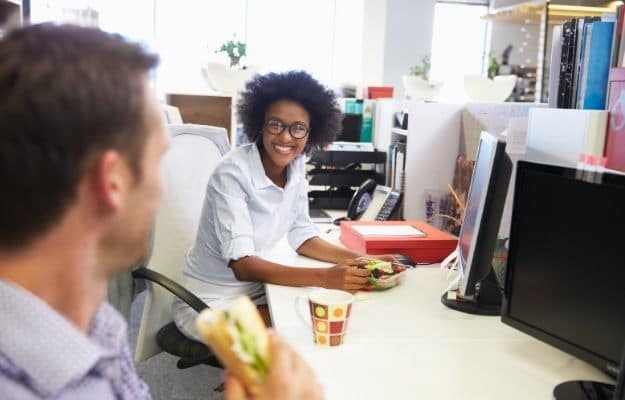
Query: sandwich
x=238 y=337
x=384 y=274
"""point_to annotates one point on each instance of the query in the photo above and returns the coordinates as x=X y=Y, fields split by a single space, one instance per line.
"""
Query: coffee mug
x=329 y=311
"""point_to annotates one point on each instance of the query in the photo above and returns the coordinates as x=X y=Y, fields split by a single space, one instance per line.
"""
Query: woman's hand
x=346 y=276
x=289 y=378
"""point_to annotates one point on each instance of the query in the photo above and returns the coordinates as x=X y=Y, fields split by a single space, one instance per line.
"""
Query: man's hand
x=289 y=378
x=347 y=276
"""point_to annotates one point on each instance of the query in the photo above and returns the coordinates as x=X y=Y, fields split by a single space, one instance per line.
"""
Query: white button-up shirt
x=246 y=214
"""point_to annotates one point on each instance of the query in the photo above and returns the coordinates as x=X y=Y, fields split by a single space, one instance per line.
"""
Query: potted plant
x=417 y=84
x=493 y=66
x=229 y=79
x=235 y=51
x=422 y=70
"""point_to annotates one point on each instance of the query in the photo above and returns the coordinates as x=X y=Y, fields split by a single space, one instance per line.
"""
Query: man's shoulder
x=14 y=381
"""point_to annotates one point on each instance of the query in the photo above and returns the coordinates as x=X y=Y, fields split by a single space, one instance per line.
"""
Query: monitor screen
x=566 y=264
x=619 y=392
x=480 y=226
x=482 y=214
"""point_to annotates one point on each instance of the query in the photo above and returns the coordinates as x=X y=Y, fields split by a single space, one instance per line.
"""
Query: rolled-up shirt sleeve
x=230 y=214
x=302 y=228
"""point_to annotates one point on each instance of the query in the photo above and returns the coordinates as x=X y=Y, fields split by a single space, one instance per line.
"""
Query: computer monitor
x=478 y=290
x=566 y=265
x=619 y=391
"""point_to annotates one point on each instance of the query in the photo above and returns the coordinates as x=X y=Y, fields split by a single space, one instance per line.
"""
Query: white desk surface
x=404 y=344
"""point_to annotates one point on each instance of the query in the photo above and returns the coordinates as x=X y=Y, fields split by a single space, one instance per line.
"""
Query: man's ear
x=109 y=179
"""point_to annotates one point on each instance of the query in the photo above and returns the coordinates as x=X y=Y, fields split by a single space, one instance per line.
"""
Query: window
x=458 y=44
x=323 y=37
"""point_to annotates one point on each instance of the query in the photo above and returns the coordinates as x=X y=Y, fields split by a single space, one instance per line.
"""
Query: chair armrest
x=176 y=289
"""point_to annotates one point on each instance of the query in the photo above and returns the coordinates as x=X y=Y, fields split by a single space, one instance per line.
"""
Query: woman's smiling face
x=293 y=119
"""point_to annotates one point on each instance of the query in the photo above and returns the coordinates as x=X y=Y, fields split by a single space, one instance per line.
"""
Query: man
x=81 y=139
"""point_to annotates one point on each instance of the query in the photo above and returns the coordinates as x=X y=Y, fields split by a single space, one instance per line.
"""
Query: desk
x=404 y=344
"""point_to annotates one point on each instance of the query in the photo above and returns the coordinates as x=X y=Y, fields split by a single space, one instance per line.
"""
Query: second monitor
x=478 y=291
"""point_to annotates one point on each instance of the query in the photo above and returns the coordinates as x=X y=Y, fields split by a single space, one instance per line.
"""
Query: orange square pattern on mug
x=329 y=322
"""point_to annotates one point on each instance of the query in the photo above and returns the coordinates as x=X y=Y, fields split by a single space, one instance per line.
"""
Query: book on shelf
x=399 y=166
x=582 y=24
x=583 y=75
x=584 y=27
x=595 y=76
x=617 y=36
x=567 y=62
x=554 y=66
x=615 y=135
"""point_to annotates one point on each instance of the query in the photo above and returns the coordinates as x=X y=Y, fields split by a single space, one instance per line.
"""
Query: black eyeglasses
x=297 y=130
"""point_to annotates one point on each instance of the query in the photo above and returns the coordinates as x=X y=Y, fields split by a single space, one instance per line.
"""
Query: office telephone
x=373 y=202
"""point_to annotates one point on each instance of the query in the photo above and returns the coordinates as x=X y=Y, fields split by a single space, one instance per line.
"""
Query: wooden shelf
x=530 y=12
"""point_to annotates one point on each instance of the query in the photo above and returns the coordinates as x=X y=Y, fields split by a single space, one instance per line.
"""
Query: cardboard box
x=431 y=248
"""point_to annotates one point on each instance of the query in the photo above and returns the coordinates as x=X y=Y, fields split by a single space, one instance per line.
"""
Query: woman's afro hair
x=297 y=86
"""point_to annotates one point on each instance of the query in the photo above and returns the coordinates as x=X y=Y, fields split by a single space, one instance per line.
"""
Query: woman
x=259 y=193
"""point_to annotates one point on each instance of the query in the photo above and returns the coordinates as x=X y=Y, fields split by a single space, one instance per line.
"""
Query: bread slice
x=219 y=329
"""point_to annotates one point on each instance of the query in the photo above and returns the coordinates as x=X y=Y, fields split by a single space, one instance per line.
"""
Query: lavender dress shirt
x=44 y=356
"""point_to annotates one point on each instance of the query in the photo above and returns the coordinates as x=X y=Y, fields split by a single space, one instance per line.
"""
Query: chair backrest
x=186 y=168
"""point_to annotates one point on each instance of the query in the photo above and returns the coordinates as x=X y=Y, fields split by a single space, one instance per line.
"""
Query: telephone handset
x=373 y=202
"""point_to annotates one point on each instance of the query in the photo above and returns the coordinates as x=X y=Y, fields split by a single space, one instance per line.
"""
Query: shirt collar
x=260 y=179
x=49 y=348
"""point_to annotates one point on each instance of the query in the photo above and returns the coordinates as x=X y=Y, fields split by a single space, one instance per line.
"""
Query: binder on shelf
x=583 y=74
x=399 y=166
x=581 y=68
x=617 y=37
x=615 y=135
x=567 y=61
x=366 y=129
x=554 y=66
x=582 y=25
x=598 y=67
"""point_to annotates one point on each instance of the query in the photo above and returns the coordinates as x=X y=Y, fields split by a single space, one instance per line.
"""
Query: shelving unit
x=547 y=14
x=339 y=172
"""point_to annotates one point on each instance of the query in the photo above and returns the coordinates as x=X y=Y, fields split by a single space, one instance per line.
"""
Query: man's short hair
x=67 y=94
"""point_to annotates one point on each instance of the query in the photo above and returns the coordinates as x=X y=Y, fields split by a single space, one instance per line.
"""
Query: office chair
x=186 y=168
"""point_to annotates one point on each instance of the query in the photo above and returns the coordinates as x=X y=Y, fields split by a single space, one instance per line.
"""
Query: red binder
x=431 y=248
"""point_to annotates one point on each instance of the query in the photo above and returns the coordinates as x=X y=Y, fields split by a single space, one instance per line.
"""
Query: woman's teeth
x=283 y=149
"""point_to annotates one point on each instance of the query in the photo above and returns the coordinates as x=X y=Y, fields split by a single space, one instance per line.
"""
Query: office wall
x=408 y=37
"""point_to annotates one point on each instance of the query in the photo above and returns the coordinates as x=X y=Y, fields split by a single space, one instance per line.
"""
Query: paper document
x=388 y=230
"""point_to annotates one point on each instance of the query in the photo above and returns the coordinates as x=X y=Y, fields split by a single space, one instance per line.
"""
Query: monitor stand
x=487 y=301
x=583 y=390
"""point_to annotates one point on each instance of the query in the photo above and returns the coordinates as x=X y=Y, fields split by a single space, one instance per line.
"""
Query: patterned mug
x=329 y=313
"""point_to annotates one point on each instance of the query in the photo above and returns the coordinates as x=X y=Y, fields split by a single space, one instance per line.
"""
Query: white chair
x=186 y=168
